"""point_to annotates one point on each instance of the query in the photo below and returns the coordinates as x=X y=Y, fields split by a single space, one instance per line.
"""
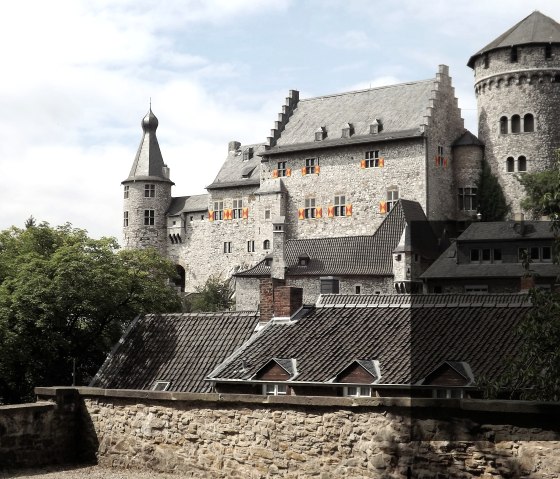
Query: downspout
x=427 y=178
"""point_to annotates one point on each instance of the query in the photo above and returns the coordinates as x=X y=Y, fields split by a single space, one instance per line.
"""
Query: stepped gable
x=188 y=204
x=148 y=163
x=179 y=348
x=409 y=342
x=241 y=168
x=358 y=255
x=536 y=28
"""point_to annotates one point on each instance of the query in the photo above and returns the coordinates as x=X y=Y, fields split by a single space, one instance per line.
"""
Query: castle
x=335 y=167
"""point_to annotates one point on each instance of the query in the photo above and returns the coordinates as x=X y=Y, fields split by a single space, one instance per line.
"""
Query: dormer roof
x=536 y=28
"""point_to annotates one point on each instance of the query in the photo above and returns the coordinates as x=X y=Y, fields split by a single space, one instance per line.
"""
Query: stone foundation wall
x=245 y=436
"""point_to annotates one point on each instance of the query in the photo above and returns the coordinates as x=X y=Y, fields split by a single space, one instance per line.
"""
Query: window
x=310 y=165
x=125 y=218
x=475 y=255
x=476 y=289
x=486 y=61
x=237 y=211
x=497 y=255
x=248 y=154
x=340 y=205
x=160 y=385
x=536 y=253
x=275 y=389
x=467 y=199
x=392 y=198
x=357 y=289
x=375 y=127
x=201 y=217
x=485 y=255
x=521 y=163
x=357 y=391
x=281 y=168
x=330 y=286
x=149 y=217
x=515 y=124
x=546 y=253
x=267 y=214
x=448 y=393
x=126 y=191
x=528 y=123
x=513 y=55
x=548 y=51
x=522 y=253
x=439 y=157
x=372 y=159
x=510 y=165
x=250 y=246
x=503 y=125
x=218 y=210
x=309 y=210
x=266 y=244
x=227 y=246
x=149 y=191
x=191 y=218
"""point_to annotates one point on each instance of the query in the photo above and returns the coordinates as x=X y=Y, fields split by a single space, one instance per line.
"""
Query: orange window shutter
x=317 y=169
x=301 y=214
x=210 y=215
x=330 y=211
x=437 y=160
x=275 y=173
x=288 y=172
x=303 y=171
x=363 y=164
x=381 y=162
x=445 y=162
x=318 y=212
x=383 y=207
x=348 y=210
x=245 y=213
x=229 y=214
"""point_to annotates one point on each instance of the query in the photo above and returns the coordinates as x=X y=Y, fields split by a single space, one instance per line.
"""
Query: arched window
x=515 y=124
x=521 y=163
x=266 y=244
x=180 y=281
x=503 y=125
x=510 y=165
x=528 y=123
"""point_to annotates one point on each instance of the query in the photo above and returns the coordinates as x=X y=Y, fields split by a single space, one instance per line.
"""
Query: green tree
x=492 y=204
x=215 y=295
x=65 y=297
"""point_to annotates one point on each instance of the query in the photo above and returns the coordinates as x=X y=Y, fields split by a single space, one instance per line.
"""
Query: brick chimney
x=278 y=300
x=278 y=270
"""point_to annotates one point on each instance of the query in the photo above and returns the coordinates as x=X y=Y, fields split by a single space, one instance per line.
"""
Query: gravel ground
x=90 y=472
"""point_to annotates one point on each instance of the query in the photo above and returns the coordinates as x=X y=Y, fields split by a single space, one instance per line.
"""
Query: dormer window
x=347 y=130
x=375 y=127
x=303 y=260
x=248 y=154
x=247 y=171
x=320 y=133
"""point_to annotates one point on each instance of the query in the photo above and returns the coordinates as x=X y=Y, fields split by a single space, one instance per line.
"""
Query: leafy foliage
x=66 y=297
x=215 y=295
x=492 y=204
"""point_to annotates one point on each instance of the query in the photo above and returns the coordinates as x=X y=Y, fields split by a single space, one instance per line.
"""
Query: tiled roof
x=358 y=255
x=187 y=204
x=446 y=267
x=535 y=28
x=507 y=230
x=180 y=348
x=234 y=168
x=467 y=139
x=399 y=108
x=409 y=342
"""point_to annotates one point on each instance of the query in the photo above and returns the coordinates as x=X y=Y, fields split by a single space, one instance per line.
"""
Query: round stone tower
x=517 y=85
x=147 y=193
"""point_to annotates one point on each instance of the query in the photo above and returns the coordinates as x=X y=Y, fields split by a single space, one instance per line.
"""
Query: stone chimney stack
x=278 y=300
x=278 y=270
x=233 y=146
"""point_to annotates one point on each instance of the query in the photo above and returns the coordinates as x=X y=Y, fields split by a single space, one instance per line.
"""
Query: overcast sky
x=77 y=77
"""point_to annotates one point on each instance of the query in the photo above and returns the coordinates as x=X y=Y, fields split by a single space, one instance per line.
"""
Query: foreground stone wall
x=39 y=434
x=242 y=436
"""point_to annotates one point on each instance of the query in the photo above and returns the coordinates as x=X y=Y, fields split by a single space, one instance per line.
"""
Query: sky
x=78 y=77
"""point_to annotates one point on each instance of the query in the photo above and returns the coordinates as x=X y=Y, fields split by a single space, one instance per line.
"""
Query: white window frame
x=237 y=210
x=358 y=391
x=150 y=190
x=275 y=389
x=372 y=159
x=160 y=385
x=218 y=210
x=250 y=246
x=126 y=191
x=340 y=205
x=392 y=198
x=125 y=219
x=441 y=393
x=309 y=209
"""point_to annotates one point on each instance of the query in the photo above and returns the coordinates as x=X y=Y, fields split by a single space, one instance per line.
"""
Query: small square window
x=281 y=168
x=372 y=159
x=310 y=165
x=267 y=214
x=358 y=289
x=149 y=191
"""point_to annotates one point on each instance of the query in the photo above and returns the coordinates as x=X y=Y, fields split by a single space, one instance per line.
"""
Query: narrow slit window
x=503 y=125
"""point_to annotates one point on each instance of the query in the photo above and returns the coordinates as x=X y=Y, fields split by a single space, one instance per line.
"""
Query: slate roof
x=467 y=139
x=358 y=255
x=180 y=348
x=446 y=267
x=507 y=230
x=409 y=338
x=188 y=204
x=233 y=169
x=400 y=109
x=535 y=28
x=148 y=163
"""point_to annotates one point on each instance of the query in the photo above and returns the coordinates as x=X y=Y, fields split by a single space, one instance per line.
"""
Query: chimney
x=278 y=270
x=278 y=300
x=233 y=146
x=527 y=283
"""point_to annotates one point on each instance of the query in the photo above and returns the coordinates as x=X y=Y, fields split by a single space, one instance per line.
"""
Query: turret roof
x=535 y=28
x=148 y=163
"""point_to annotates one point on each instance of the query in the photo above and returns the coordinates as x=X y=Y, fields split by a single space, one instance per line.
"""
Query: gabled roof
x=358 y=255
x=148 y=163
x=399 y=108
x=535 y=28
x=409 y=339
x=369 y=365
x=467 y=139
x=507 y=230
x=179 y=348
x=235 y=169
x=188 y=204
x=462 y=368
x=287 y=364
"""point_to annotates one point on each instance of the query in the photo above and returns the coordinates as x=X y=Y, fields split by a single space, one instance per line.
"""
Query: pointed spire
x=148 y=163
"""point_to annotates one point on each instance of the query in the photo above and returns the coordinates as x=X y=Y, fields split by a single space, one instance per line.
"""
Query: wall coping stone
x=481 y=405
x=34 y=406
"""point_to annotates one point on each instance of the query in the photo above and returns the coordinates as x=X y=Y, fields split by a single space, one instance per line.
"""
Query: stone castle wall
x=245 y=436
